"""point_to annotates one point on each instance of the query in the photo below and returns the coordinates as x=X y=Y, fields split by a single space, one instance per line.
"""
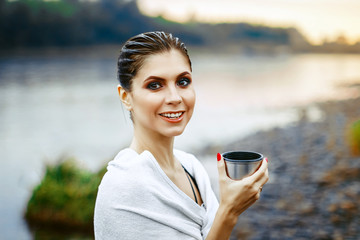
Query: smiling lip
x=172 y=117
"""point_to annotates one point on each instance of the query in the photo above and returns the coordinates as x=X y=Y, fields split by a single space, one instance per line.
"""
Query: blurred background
x=277 y=76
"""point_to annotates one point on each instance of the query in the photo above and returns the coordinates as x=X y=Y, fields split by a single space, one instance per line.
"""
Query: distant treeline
x=38 y=23
x=33 y=23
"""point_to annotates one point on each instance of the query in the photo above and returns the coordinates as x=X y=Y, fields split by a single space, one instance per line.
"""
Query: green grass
x=65 y=197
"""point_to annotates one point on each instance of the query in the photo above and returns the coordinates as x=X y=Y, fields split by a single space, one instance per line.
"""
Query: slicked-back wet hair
x=138 y=48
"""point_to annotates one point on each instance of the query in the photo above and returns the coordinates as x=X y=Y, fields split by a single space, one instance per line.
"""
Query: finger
x=252 y=199
x=261 y=174
x=265 y=177
x=221 y=166
x=258 y=195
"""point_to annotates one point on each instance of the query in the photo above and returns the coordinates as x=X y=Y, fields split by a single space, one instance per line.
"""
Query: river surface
x=67 y=105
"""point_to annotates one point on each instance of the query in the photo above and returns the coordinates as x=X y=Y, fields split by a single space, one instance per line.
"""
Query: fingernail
x=218 y=156
x=266 y=159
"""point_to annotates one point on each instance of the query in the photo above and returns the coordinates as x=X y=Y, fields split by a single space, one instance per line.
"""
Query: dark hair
x=137 y=48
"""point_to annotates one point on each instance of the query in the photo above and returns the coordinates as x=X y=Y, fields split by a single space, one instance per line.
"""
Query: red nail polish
x=218 y=157
x=266 y=159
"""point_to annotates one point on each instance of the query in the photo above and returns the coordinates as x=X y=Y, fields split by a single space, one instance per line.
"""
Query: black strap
x=193 y=179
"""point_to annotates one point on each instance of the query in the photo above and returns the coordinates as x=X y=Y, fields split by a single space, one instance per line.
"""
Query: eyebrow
x=162 y=79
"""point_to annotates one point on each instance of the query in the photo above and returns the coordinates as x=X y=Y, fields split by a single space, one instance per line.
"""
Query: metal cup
x=240 y=164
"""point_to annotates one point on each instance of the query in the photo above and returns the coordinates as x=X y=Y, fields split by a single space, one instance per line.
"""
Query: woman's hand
x=238 y=195
x=235 y=197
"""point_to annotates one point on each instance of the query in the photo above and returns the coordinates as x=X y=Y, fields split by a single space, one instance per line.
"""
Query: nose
x=173 y=96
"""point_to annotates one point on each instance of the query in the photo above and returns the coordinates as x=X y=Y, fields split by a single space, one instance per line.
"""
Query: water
x=67 y=104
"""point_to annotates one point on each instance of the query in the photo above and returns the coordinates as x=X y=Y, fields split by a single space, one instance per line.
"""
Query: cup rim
x=261 y=157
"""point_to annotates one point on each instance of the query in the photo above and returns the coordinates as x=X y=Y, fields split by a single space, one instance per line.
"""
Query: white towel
x=136 y=200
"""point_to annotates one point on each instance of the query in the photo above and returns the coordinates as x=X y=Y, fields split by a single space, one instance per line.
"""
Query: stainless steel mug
x=240 y=164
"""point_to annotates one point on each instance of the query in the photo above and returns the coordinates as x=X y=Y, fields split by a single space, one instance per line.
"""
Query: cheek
x=190 y=99
x=147 y=102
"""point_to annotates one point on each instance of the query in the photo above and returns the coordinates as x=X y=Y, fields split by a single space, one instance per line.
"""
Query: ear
x=124 y=97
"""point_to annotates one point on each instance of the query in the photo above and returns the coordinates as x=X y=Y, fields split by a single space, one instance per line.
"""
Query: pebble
x=315 y=188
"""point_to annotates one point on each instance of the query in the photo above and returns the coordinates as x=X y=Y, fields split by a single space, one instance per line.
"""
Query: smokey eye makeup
x=184 y=82
x=154 y=85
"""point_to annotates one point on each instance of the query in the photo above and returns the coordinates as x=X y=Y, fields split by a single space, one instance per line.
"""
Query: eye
x=184 y=82
x=154 y=85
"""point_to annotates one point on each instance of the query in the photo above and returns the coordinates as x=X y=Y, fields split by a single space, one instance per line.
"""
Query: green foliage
x=34 y=23
x=62 y=8
x=65 y=197
x=354 y=137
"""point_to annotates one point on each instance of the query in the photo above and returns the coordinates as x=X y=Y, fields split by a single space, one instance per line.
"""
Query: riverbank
x=314 y=187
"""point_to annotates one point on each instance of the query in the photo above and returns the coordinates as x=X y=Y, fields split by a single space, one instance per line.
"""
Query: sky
x=317 y=20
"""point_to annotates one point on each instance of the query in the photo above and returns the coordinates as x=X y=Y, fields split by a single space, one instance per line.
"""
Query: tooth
x=172 y=115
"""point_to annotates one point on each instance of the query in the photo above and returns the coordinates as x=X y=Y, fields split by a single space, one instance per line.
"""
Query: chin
x=174 y=133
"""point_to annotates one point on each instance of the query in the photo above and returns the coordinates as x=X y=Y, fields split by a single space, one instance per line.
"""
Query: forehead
x=165 y=63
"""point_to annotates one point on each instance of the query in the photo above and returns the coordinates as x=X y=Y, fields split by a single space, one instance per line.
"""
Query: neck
x=161 y=147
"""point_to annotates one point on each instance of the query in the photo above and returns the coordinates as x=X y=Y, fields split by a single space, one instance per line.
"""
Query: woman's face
x=162 y=98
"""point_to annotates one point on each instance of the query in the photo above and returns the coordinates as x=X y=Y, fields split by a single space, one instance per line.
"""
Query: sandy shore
x=314 y=187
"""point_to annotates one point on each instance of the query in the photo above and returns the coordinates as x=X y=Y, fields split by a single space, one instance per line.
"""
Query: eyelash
x=184 y=79
x=158 y=85
x=154 y=85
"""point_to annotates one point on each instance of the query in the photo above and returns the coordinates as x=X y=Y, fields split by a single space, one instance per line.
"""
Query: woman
x=151 y=190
